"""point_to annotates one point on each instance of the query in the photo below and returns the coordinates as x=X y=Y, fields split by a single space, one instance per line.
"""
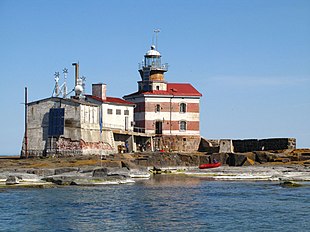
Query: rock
x=103 y=172
x=67 y=169
x=286 y=160
x=129 y=165
x=236 y=159
x=83 y=180
x=59 y=180
x=11 y=180
x=42 y=172
x=111 y=164
x=139 y=173
x=220 y=157
x=204 y=159
x=248 y=162
x=290 y=184
x=263 y=156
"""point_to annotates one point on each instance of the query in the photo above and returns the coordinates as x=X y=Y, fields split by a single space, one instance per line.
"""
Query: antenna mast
x=56 y=89
x=156 y=34
x=64 y=88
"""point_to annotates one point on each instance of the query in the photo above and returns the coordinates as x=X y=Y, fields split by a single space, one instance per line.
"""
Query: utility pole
x=26 y=122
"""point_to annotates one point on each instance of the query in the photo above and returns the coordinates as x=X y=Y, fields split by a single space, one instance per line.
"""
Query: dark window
x=157 y=87
x=157 y=108
x=158 y=127
x=182 y=108
x=56 y=122
x=118 y=112
x=110 y=111
x=126 y=112
x=182 y=126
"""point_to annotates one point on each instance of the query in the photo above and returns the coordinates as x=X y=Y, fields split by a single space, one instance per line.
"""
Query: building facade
x=64 y=126
x=117 y=113
x=168 y=110
x=88 y=125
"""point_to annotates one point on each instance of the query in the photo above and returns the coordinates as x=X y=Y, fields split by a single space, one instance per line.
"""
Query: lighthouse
x=152 y=71
x=168 y=111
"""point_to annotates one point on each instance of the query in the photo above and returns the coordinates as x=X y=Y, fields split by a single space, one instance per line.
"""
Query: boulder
x=264 y=156
x=248 y=162
x=86 y=180
x=290 y=184
x=139 y=173
x=11 y=180
x=42 y=172
x=59 y=171
x=236 y=159
x=204 y=159
x=111 y=164
x=103 y=172
x=220 y=157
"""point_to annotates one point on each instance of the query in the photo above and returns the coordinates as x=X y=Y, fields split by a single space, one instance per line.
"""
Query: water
x=164 y=203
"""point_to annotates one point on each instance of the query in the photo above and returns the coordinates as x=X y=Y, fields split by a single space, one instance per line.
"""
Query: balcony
x=154 y=66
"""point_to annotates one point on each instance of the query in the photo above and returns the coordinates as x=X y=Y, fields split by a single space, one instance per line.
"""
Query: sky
x=249 y=59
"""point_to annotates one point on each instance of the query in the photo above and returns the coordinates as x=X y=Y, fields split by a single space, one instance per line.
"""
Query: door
x=159 y=127
x=126 y=123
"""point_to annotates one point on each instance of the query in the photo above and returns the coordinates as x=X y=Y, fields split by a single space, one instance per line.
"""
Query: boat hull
x=214 y=165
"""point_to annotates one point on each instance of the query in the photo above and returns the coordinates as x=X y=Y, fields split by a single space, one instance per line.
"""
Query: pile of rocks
x=71 y=176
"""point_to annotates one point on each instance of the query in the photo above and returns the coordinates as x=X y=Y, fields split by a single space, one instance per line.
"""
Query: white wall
x=115 y=121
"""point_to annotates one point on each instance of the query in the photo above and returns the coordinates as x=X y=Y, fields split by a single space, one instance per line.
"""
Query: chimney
x=99 y=90
x=76 y=72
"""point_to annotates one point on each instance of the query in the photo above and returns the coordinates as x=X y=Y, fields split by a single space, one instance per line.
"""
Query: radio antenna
x=156 y=31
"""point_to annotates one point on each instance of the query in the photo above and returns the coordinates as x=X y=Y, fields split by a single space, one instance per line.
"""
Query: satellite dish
x=78 y=90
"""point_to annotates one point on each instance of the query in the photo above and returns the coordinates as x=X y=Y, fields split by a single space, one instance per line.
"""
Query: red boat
x=214 y=165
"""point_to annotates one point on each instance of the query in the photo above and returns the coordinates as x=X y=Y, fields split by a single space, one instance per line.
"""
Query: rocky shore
x=282 y=166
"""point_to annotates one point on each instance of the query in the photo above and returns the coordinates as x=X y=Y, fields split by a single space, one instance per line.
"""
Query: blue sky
x=249 y=59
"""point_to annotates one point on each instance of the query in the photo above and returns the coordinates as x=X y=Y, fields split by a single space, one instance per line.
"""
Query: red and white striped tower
x=169 y=110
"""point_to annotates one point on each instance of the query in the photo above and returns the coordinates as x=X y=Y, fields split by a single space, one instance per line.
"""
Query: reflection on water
x=164 y=203
x=173 y=180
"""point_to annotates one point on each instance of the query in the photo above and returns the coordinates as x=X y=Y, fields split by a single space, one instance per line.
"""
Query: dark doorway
x=159 y=128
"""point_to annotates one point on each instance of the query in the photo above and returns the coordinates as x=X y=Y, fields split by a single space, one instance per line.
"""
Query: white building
x=84 y=124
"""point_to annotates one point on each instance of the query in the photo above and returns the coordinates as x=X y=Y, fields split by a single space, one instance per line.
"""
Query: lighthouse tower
x=152 y=72
x=168 y=111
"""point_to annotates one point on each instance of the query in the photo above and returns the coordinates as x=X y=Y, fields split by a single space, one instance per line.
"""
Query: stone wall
x=249 y=145
x=68 y=147
x=246 y=145
x=180 y=143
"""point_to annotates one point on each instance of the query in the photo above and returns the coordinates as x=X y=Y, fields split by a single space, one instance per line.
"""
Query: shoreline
x=128 y=167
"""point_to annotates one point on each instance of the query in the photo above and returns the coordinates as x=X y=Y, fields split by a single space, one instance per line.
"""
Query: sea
x=162 y=203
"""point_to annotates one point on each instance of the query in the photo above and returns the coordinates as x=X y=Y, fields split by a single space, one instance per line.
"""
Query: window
x=182 y=108
x=126 y=112
x=110 y=111
x=157 y=108
x=182 y=126
x=157 y=87
x=118 y=112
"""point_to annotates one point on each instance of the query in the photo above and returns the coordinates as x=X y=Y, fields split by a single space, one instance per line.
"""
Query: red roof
x=176 y=89
x=114 y=100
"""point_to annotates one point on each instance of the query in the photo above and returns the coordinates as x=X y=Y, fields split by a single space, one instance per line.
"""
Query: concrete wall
x=248 y=145
x=226 y=146
x=38 y=116
x=81 y=129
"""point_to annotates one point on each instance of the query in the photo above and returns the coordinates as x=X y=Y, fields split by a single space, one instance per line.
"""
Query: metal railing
x=163 y=67
x=122 y=127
